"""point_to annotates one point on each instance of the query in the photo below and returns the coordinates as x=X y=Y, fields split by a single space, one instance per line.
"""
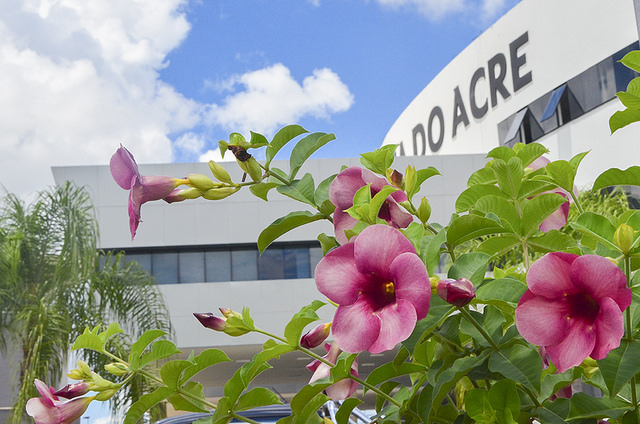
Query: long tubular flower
x=381 y=286
x=558 y=218
x=343 y=388
x=49 y=409
x=573 y=307
x=345 y=186
x=142 y=189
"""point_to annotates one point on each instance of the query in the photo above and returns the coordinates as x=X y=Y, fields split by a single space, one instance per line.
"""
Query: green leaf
x=282 y=137
x=300 y=320
x=327 y=243
x=577 y=159
x=504 y=209
x=159 y=350
x=471 y=265
x=632 y=60
x=256 y=397
x=421 y=176
x=141 y=344
x=551 y=383
x=585 y=406
x=620 y=366
x=503 y=153
x=257 y=140
x=283 y=225
x=562 y=173
x=301 y=190
x=476 y=403
x=430 y=250
x=504 y=289
x=378 y=200
x=596 y=226
x=146 y=402
x=482 y=176
x=307 y=394
x=615 y=176
x=497 y=246
x=530 y=152
x=89 y=340
x=188 y=403
x=490 y=320
x=631 y=97
x=509 y=175
x=536 y=210
x=503 y=397
x=553 y=241
x=172 y=370
x=343 y=414
x=530 y=188
x=519 y=363
x=305 y=148
x=322 y=192
x=262 y=189
x=472 y=194
x=622 y=118
x=204 y=360
x=389 y=371
x=468 y=227
x=380 y=159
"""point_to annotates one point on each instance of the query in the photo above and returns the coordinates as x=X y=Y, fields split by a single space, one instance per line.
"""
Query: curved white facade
x=510 y=73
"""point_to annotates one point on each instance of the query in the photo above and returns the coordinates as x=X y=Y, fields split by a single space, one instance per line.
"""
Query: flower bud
x=228 y=313
x=201 y=182
x=180 y=194
x=116 y=368
x=456 y=292
x=211 y=321
x=219 y=172
x=623 y=237
x=106 y=394
x=424 y=210
x=395 y=178
x=219 y=193
x=81 y=373
x=316 y=336
x=71 y=391
x=252 y=167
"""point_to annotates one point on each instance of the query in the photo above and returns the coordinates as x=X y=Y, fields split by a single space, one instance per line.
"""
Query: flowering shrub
x=501 y=343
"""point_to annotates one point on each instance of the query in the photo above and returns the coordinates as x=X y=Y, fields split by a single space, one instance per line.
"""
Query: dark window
x=244 y=265
x=524 y=128
x=296 y=263
x=271 y=264
x=164 y=266
x=315 y=254
x=218 y=265
x=143 y=259
x=191 y=266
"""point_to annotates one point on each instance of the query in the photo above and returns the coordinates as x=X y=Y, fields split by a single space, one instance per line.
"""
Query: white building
x=546 y=72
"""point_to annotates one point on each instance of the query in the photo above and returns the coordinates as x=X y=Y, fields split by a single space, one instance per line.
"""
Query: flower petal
x=344 y=187
x=42 y=412
x=342 y=389
x=411 y=281
x=342 y=221
x=355 y=327
x=557 y=219
x=609 y=325
x=575 y=347
x=399 y=218
x=45 y=391
x=550 y=276
x=154 y=187
x=541 y=321
x=123 y=168
x=377 y=246
x=397 y=323
x=337 y=276
x=601 y=278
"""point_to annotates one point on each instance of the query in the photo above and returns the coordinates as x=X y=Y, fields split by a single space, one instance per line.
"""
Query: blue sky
x=169 y=78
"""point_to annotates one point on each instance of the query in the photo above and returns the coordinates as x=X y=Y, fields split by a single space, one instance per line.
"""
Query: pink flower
x=456 y=292
x=558 y=218
x=49 y=409
x=142 y=189
x=314 y=337
x=573 y=307
x=343 y=388
x=382 y=288
x=71 y=391
x=345 y=186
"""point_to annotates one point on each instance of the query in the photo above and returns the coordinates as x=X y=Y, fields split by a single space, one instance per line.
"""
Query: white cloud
x=79 y=77
x=437 y=9
x=271 y=97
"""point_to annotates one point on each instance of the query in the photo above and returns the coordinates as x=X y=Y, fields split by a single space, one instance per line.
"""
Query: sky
x=170 y=78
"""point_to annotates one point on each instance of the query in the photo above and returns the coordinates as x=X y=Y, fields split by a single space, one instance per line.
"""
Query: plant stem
x=629 y=331
x=469 y=317
x=525 y=254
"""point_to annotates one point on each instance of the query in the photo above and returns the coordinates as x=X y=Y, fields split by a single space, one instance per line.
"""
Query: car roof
x=270 y=413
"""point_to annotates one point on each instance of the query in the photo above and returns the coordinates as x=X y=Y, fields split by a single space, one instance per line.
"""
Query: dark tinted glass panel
x=165 y=267
x=244 y=265
x=271 y=265
x=191 y=266
x=144 y=259
x=315 y=254
x=296 y=263
x=218 y=265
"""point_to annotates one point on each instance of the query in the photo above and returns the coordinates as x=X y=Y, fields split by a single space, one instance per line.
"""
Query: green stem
x=525 y=254
x=469 y=317
x=629 y=331
x=576 y=202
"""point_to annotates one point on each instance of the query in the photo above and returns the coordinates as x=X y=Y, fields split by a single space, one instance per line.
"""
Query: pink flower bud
x=456 y=292
x=71 y=391
x=316 y=336
x=211 y=321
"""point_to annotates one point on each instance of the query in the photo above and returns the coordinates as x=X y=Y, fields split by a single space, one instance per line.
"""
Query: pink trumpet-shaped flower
x=573 y=307
x=343 y=388
x=71 y=391
x=142 y=189
x=315 y=337
x=345 y=186
x=558 y=218
x=382 y=288
x=49 y=409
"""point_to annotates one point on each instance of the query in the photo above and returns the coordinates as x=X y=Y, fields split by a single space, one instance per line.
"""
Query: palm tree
x=54 y=282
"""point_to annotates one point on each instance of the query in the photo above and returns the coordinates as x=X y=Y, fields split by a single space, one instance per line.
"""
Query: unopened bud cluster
x=230 y=323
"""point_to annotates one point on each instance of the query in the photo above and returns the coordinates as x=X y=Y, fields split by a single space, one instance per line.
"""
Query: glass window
x=315 y=254
x=165 y=267
x=271 y=264
x=218 y=265
x=191 y=266
x=296 y=263
x=144 y=259
x=244 y=265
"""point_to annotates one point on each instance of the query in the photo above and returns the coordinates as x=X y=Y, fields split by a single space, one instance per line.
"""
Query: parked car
x=270 y=414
